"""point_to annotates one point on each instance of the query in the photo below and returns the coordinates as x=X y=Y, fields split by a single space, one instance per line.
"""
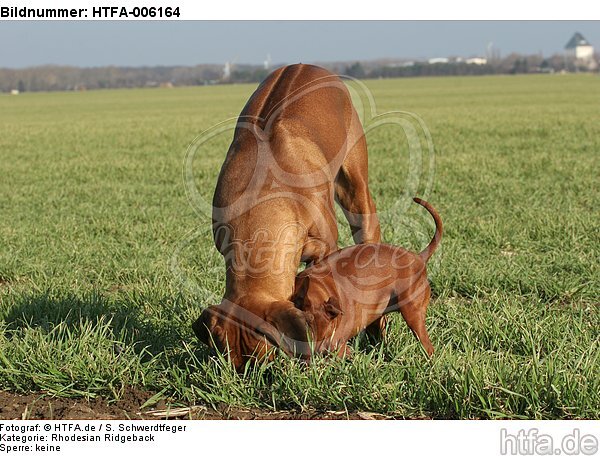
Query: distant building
x=438 y=60
x=578 y=48
x=476 y=61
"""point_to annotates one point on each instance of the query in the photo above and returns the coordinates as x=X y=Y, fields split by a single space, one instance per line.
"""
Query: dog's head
x=320 y=306
x=253 y=332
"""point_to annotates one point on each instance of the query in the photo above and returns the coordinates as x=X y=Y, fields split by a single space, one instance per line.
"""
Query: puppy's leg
x=414 y=314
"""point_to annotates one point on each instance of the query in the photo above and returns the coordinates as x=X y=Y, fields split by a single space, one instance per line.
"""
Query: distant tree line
x=511 y=64
x=49 y=78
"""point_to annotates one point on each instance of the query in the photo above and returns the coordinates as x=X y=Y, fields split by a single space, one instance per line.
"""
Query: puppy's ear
x=286 y=327
x=205 y=325
x=300 y=291
x=333 y=308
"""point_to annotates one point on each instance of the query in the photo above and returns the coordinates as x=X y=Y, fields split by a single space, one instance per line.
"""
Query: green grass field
x=94 y=213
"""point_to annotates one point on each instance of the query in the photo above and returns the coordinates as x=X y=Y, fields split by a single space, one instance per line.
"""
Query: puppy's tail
x=439 y=229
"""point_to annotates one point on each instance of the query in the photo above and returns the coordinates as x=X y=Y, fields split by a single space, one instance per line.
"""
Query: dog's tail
x=426 y=254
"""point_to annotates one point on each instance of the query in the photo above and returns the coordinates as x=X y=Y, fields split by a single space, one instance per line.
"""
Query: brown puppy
x=353 y=287
x=297 y=147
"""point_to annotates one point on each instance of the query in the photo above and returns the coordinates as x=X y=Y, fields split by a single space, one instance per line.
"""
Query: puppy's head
x=253 y=332
x=321 y=310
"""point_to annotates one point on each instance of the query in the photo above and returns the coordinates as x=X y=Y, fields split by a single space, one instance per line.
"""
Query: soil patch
x=43 y=407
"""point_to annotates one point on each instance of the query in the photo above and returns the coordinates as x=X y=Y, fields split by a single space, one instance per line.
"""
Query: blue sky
x=123 y=43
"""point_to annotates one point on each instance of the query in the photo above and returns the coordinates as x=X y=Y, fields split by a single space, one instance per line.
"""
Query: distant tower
x=492 y=53
x=579 y=48
x=227 y=71
x=267 y=62
x=580 y=51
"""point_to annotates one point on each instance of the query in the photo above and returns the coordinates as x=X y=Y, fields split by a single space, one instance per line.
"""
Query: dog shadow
x=154 y=331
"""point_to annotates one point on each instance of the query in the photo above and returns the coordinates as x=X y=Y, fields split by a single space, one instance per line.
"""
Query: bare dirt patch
x=42 y=407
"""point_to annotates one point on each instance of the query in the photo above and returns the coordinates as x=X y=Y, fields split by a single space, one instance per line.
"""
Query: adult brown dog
x=297 y=147
x=355 y=286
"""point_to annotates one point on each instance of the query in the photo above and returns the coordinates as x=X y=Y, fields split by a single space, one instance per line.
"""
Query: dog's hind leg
x=352 y=188
x=353 y=195
x=414 y=314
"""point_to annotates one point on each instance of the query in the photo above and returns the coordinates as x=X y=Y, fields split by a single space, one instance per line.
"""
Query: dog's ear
x=286 y=327
x=333 y=308
x=205 y=326
x=300 y=291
